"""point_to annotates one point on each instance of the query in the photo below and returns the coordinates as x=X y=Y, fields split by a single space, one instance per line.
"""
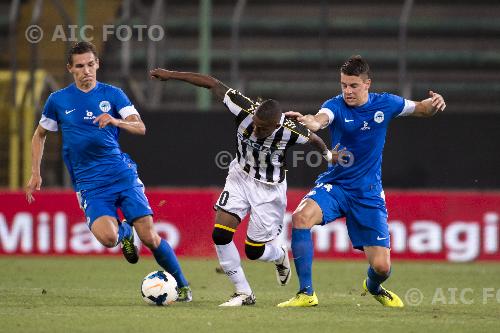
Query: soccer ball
x=159 y=288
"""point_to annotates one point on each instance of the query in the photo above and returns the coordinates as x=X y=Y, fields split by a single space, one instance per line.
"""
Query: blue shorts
x=365 y=213
x=127 y=194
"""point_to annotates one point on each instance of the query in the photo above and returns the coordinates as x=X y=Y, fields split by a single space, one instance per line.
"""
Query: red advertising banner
x=452 y=226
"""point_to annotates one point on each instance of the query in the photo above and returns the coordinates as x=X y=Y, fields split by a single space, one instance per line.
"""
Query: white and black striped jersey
x=263 y=159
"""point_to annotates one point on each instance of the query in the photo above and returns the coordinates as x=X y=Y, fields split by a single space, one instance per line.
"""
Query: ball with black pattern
x=159 y=288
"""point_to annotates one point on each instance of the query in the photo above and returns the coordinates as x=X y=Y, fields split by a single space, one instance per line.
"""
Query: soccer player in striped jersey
x=90 y=115
x=256 y=182
x=352 y=188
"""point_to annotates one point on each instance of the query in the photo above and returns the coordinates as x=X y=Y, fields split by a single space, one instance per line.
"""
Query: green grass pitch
x=96 y=294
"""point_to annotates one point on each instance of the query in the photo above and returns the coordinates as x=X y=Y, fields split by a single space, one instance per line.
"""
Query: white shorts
x=266 y=203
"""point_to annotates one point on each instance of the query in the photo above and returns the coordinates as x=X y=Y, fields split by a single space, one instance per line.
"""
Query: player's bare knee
x=108 y=240
x=300 y=220
x=105 y=231
x=222 y=235
x=253 y=250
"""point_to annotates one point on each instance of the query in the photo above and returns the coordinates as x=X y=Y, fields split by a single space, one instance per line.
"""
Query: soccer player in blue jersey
x=90 y=115
x=352 y=188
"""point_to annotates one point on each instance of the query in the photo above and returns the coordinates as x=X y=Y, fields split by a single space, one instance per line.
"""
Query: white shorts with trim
x=265 y=202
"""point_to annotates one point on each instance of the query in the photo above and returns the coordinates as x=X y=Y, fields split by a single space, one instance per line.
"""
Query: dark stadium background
x=450 y=151
x=286 y=50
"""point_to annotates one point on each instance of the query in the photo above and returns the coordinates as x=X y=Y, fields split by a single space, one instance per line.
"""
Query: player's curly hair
x=81 y=48
x=356 y=66
x=269 y=110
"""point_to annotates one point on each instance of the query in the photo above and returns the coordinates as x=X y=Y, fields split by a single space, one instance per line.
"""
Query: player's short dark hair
x=269 y=110
x=81 y=48
x=356 y=66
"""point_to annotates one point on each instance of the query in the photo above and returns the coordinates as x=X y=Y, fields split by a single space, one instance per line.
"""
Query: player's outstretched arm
x=430 y=106
x=312 y=122
x=37 y=145
x=218 y=88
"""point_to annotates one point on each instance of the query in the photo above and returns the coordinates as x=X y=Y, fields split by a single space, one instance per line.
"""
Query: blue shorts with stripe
x=126 y=194
x=365 y=212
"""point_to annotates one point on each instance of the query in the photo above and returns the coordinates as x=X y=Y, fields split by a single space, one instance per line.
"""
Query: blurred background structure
x=288 y=50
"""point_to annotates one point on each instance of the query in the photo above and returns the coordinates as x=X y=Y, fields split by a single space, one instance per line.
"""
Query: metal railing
x=14 y=143
x=403 y=80
x=203 y=96
x=235 y=44
x=149 y=95
x=404 y=84
x=26 y=88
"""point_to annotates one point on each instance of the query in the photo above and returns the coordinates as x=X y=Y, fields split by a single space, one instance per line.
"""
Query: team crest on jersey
x=378 y=117
x=105 y=106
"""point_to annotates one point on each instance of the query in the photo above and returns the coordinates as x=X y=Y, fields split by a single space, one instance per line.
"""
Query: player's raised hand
x=336 y=153
x=438 y=102
x=293 y=114
x=160 y=74
x=299 y=117
x=105 y=119
x=34 y=184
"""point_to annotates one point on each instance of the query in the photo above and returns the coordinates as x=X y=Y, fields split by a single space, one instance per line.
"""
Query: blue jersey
x=92 y=155
x=361 y=131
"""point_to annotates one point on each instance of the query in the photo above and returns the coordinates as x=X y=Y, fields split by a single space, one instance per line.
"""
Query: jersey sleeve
x=123 y=105
x=329 y=108
x=49 y=115
x=298 y=128
x=398 y=106
x=408 y=108
x=236 y=102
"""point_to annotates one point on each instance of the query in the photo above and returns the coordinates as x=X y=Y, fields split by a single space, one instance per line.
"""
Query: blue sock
x=165 y=257
x=302 y=249
x=375 y=280
x=124 y=231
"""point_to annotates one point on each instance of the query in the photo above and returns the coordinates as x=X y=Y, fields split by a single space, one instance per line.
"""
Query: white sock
x=230 y=261
x=272 y=252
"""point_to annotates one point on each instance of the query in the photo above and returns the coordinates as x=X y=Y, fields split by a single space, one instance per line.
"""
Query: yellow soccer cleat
x=300 y=300
x=386 y=297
